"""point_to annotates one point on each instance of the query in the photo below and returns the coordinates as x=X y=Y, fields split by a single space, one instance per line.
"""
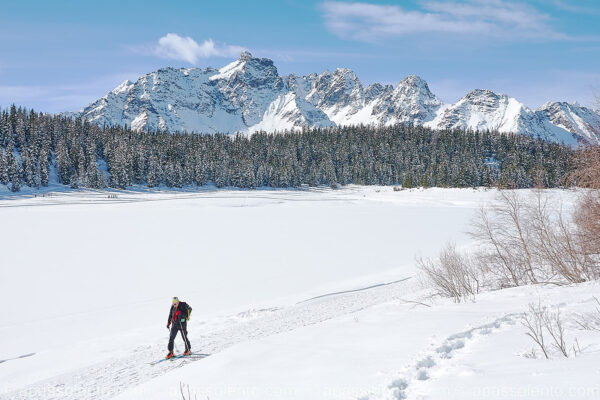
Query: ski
x=192 y=355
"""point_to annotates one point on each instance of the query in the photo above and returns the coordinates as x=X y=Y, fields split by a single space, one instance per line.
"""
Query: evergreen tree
x=154 y=177
x=3 y=167
x=14 y=171
x=44 y=168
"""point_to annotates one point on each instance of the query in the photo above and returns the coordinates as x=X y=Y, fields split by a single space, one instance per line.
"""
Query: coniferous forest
x=36 y=149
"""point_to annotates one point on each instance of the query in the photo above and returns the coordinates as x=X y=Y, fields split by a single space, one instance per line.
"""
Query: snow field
x=99 y=279
x=396 y=349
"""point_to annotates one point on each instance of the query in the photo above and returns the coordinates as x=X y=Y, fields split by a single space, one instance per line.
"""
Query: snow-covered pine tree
x=14 y=170
x=3 y=167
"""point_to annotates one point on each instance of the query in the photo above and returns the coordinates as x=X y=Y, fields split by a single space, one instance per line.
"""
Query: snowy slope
x=248 y=95
x=381 y=345
x=483 y=110
x=284 y=286
x=581 y=121
x=103 y=266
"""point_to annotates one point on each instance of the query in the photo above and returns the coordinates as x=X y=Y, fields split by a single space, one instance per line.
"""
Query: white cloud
x=177 y=47
x=500 y=18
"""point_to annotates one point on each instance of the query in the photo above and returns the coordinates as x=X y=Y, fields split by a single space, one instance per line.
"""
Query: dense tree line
x=38 y=148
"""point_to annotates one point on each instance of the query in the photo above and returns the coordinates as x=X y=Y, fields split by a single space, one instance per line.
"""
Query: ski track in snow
x=16 y=358
x=109 y=378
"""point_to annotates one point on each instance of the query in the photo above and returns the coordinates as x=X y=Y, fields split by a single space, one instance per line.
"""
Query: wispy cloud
x=573 y=7
x=498 y=18
x=175 y=47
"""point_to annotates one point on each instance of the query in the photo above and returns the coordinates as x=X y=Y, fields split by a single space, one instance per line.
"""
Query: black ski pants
x=176 y=327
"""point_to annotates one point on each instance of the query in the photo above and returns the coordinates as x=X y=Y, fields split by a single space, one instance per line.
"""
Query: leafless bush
x=586 y=217
x=587 y=225
x=184 y=395
x=524 y=241
x=590 y=321
x=534 y=322
x=556 y=328
x=560 y=247
x=505 y=234
x=452 y=274
x=586 y=173
x=544 y=325
x=530 y=354
x=576 y=348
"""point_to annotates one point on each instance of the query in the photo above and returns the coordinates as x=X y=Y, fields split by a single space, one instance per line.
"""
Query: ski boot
x=170 y=355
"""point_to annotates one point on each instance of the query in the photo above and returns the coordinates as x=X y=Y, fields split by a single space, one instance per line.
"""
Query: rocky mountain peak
x=245 y=56
x=478 y=94
x=414 y=81
x=248 y=68
x=415 y=88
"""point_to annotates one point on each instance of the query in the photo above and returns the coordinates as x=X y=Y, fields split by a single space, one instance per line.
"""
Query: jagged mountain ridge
x=249 y=95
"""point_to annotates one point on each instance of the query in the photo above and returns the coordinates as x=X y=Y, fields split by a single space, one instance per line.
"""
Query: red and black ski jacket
x=179 y=314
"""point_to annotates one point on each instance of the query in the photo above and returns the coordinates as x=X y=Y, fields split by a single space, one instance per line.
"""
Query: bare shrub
x=586 y=173
x=576 y=348
x=586 y=217
x=556 y=328
x=184 y=395
x=524 y=241
x=506 y=238
x=452 y=274
x=560 y=249
x=587 y=223
x=530 y=354
x=590 y=321
x=534 y=322
x=543 y=326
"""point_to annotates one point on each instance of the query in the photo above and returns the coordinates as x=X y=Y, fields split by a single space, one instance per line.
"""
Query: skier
x=179 y=315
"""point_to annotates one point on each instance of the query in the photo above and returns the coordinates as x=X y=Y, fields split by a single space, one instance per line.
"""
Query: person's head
x=175 y=301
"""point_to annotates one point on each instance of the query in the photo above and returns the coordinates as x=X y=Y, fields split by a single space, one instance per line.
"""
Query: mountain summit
x=249 y=95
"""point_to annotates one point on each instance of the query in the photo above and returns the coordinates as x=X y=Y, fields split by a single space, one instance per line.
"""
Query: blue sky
x=61 y=55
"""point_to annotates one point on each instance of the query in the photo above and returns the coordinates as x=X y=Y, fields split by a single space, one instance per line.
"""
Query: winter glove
x=168 y=326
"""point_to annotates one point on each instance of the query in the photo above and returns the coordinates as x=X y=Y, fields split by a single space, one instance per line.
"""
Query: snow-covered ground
x=296 y=294
x=395 y=349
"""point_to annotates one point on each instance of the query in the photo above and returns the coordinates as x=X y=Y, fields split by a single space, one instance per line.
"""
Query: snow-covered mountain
x=249 y=95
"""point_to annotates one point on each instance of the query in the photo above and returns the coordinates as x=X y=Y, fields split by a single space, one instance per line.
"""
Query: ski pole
x=185 y=339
